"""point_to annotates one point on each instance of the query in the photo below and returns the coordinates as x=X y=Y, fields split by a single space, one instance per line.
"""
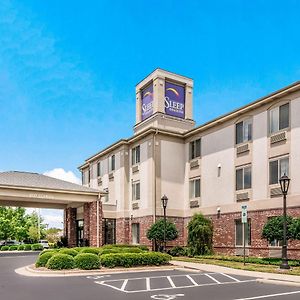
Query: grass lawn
x=240 y=265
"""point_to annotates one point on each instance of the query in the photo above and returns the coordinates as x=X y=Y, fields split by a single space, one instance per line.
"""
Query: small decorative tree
x=156 y=232
x=273 y=229
x=200 y=235
x=296 y=229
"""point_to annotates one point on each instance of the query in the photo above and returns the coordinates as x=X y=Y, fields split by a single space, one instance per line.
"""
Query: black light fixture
x=164 y=202
x=284 y=185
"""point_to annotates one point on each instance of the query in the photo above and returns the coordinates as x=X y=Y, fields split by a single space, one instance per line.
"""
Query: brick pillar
x=93 y=223
x=123 y=231
x=86 y=224
x=70 y=226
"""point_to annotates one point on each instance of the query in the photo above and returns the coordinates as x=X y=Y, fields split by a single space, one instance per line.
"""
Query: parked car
x=44 y=243
x=10 y=243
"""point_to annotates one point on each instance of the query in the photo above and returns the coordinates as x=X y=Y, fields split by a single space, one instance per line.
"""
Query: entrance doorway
x=109 y=231
x=79 y=233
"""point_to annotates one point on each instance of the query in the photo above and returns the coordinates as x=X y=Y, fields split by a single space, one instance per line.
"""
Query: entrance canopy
x=24 y=189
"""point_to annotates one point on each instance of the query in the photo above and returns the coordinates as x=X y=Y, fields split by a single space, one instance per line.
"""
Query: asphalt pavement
x=164 y=285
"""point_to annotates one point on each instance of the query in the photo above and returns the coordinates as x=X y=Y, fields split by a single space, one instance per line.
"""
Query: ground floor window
x=275 y=243
x=135 y=232
x=79 y=233
x=239 y=233
x=109 y=231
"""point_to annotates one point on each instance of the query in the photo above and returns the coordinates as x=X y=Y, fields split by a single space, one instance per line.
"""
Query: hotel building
x=215 y=168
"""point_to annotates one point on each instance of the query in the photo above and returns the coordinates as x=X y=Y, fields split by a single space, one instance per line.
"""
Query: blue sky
x=68 y=69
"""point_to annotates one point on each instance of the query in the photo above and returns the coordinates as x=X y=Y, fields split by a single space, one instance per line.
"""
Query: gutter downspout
x=97 y=218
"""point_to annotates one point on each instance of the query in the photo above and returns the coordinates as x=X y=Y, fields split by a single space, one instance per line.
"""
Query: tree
x=33 y=234
x=296 y=229
x=273 y=229
x=156 y=232
x=200 y=235
x=53 y=234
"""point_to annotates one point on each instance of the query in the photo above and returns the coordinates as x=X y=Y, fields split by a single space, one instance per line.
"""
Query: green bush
x=178 y=251
x=61 y=262
x=68 y=251
x=4 y=248
x=43 y=259
x=120 y=250
x=134 y=259
x=48 y=250
x=87 y=261
x=91 y=250
x=36 y=247
x=27 y=247
x=13 y=248
x=21 y=247
x=142 y=247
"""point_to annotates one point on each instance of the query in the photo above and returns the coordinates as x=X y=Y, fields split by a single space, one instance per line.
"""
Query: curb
x=278 y=282
x=31 y=272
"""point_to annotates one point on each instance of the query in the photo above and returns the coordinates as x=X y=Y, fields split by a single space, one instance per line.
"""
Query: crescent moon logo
x=147 y=94
x=174 y=91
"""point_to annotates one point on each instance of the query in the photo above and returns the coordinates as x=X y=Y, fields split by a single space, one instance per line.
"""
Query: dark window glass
x=195 y=149
x=247 y=178
x=112 y=163
x=239 y=179
x=239 y=233
x=284 y=116
x=197 y=188
x=138 y=194
x=239 y=132
x=98 y=169
x=273 y=172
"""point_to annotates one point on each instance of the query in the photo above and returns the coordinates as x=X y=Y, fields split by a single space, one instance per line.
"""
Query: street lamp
x=284 y=185
x=164 y=202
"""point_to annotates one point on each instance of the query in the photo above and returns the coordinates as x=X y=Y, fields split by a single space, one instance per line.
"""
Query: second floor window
x=195 y=149
x=243 y=131
x=112 y=163
x=279 y=118
x=135 y=155
x=99 y=168
x=278 y=168
x=136 y=192
x=243 y=178
x=195 y=188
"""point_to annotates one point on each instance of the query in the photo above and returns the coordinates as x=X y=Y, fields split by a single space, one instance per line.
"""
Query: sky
x=68 y=69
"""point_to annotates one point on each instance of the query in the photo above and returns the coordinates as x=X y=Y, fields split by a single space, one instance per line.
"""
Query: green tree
x=200 y=235
x=53 y=234
x=295 y=228
x=6 y=223
x=273 y=229
x=156 y=232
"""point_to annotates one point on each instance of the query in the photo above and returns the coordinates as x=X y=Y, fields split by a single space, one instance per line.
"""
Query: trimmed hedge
x=13 y=248
x=4 y=248
x=21 y=247
x=61 y=262
x=68 y=251
x=48 y=250
x=27 y=247
x=178 y=251
x=36 y=247
x=91 y=250
x=87 y=261
x=120 y=250
x=43 y=259
x=142 y=247
x=134 y=259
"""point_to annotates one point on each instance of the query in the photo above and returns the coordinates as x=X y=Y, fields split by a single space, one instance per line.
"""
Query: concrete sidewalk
x=262 y=277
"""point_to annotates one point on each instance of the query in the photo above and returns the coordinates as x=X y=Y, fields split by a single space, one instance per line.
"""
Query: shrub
x=71 y=252
x=48 y=250
x=120 y=250
x=21 y=247
x=13 y=248
x=36 y=247
x=27 y=247
x=178 y=251
x=134 y=259
x=91 y=250
x=61 y=262
x=87 y=261
x=43 y=259
x=200 y=235
x=142 y=247
x=4 y=248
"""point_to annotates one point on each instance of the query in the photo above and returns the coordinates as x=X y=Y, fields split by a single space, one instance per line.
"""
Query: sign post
x=244 y=222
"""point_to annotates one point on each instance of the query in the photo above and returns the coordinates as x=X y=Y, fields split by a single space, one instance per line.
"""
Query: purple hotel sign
x=174 y=100
x=147 y=102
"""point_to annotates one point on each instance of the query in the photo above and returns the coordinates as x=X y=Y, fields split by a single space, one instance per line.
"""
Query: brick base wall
x=70 y=226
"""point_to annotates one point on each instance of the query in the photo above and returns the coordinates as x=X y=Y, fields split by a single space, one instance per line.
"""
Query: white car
x=44 y=243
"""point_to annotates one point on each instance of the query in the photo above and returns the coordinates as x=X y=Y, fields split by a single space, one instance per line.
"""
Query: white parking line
x=230 y=277
x=270 y=296
x=192 y=280
x=124 y=285
x=215 y=280
x=148 y=284
x=171 y=282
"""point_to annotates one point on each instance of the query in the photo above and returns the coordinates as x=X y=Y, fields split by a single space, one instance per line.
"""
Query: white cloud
x=60 y=173
x=52 y=217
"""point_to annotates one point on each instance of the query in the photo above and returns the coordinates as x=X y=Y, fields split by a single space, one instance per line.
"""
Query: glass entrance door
x=79 y=233
x=109 y=231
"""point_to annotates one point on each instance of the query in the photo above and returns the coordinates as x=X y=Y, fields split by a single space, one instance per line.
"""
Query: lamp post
x=284 y=185
x=164 y=202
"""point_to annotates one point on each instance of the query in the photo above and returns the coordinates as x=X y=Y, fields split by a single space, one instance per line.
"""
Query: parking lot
x=165 y=285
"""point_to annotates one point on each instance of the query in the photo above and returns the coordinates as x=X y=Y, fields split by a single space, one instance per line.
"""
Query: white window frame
x=193 y=151
x=275 y=113
x=279 y=171
x=248 y=228
x=247 y=136
x=192 y=188
x=243 y=184
x=136 y=186
x=136 y=155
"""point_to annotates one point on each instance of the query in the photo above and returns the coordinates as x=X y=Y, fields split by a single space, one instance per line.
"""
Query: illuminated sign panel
x=174 y=100
x=147 y=102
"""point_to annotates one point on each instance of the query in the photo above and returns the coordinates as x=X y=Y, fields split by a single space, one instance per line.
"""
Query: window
x=112 y=163
x=279 y=118
x=106 y=196
x=239 y=233
x=243 y=131
x=243 y=178
x=135 y=155
x=195 y=188
x=195 y=149
x=89 y=176
x=136 y=191
x=99 y=173
x=275 y=243
x=135 y=231
x=277 y=169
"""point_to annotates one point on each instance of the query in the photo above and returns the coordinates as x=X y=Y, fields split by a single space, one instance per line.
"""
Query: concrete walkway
x=263 y=277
